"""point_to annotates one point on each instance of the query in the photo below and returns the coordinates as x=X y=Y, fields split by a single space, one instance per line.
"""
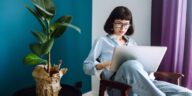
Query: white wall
x=141 y=10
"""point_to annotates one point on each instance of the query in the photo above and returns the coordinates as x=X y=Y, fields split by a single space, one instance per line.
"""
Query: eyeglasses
x=120 y=25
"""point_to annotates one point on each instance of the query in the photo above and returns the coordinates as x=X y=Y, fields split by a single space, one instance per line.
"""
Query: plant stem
x=49 y=62
x=49 y=53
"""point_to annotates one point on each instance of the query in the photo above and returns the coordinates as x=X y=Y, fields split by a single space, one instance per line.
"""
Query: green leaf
x=61 y=28
x=42 y=49
x=33 y=59
x=47 y=46
x=58 y=30
x=49 y=6
x=40 y=36
x=46 y=4
x=45 y=7
x=64 y=19
x=38 y=17
x=43 y=12
x=36 y=49
x=39 y=2
x=72 y=26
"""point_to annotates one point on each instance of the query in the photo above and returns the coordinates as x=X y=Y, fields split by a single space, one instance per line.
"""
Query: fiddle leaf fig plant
x=44 y=12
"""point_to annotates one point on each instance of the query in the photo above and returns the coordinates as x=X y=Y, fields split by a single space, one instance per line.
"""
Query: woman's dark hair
x=122 y=13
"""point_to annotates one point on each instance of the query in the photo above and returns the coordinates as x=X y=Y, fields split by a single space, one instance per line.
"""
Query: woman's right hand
x=103 y=65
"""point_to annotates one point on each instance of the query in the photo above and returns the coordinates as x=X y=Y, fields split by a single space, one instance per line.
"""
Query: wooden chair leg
x=102 y=89
x=124 y=92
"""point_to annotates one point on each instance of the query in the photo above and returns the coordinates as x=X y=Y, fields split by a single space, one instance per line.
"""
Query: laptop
x=149 y=56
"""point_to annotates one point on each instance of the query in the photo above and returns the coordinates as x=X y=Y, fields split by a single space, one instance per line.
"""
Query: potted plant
x=47 y=75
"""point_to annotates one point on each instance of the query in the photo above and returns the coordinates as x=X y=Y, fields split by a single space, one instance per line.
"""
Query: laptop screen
x=149 y=56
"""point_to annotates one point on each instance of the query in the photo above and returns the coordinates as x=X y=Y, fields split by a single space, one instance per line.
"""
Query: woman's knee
x=131 y=65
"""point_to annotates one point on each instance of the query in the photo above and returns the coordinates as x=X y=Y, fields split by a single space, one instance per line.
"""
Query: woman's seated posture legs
x=132 y=73
x=172 y=89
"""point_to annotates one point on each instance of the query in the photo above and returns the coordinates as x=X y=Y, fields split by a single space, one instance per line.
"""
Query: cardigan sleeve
x=90 y=61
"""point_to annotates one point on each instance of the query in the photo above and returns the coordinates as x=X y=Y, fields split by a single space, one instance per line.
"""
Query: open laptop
x=149 y=56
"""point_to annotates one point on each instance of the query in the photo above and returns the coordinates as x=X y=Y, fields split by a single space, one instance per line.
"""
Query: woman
x=119 y=27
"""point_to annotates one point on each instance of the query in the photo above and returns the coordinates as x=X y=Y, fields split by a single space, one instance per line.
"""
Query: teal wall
x=16 y=23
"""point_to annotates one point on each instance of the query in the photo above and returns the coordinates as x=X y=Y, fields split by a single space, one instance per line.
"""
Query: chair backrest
x=171 y=77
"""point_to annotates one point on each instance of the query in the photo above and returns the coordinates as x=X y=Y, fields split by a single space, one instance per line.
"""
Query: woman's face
x=121 y=26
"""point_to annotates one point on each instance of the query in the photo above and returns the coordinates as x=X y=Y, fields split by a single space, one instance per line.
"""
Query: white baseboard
x=90 y=93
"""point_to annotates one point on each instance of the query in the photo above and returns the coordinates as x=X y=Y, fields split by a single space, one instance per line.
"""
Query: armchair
x=171 y=77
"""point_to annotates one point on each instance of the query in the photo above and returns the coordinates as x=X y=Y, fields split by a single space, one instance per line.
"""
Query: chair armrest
x=170 y=75
x=104 y=84
x=114 y=84
x=174 y=77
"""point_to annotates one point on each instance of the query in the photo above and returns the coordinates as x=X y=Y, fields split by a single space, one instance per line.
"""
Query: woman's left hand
x=103 y=65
